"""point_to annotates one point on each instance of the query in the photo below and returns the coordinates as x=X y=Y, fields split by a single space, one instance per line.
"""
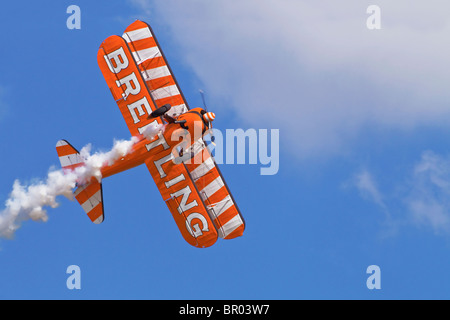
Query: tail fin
x=69 y=157
x=88 y=195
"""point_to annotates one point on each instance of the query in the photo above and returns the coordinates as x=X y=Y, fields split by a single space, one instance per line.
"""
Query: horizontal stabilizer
x=88 y=195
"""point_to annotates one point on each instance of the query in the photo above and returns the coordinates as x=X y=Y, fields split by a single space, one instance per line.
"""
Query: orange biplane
x=148 y=96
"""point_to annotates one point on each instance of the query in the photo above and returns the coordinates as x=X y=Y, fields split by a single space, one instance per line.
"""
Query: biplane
x=187 y=176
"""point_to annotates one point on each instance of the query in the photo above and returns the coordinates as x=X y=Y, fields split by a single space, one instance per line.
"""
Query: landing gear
x=160 y=111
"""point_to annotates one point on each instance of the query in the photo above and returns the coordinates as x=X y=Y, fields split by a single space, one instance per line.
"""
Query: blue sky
x=364 y=163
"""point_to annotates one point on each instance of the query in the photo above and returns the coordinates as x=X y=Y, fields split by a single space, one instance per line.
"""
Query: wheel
x=160 y=111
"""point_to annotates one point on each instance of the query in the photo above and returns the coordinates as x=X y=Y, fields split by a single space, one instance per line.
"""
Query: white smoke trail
x=29 y=201
x=93 y=163
x=152 y=130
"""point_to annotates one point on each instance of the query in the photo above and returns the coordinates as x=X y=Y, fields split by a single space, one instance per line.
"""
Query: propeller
x=202 y=93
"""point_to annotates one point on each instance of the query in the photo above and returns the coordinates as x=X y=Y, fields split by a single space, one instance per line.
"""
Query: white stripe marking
x=194 y=149
x=138 y=34
x=221 y=206
x=213 y=187
x=79 y=190
x=202 y=169
x=230 y=226
x=156 y=73
x=61 y=143
x=145 y=54
x=92 y=202
x=70 y=159
x=165 y=92
x=99 y=219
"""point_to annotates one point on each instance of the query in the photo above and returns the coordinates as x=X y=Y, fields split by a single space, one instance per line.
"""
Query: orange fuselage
x=136 y=157
x=173 y=133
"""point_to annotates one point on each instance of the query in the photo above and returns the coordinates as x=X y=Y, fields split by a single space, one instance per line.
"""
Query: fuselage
x=136 y=157
x=174 y=134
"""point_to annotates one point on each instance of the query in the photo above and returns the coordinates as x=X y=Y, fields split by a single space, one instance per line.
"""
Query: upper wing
x=154 y=67
x=165 y=89
x=173 y=180
x=125 y=82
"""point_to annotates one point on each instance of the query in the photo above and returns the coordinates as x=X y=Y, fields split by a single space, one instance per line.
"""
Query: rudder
x=69 y=157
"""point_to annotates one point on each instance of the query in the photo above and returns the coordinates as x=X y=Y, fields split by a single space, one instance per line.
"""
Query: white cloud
x=368 y=188
x=422 y=198
x=429 y=199
x=313 y=68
